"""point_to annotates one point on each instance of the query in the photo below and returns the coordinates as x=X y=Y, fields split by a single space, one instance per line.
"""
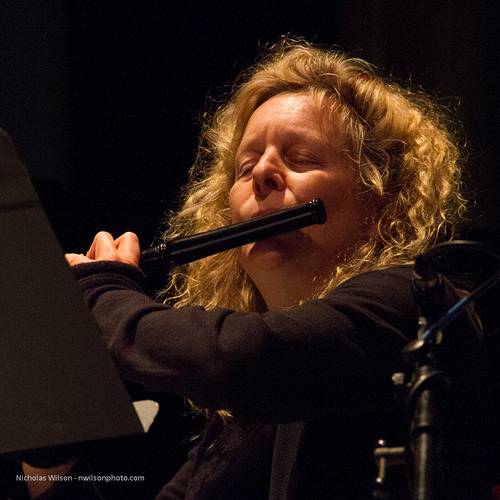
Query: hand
x=125 y=249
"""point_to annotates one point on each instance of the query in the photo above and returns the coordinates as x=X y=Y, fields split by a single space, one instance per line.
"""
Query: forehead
x=303 y=114
x=301 y=107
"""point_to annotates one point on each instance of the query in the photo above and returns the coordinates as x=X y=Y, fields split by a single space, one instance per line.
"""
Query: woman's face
x=289 y=154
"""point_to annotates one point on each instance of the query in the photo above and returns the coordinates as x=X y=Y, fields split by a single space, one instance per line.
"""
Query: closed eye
x=304 y=159
x=245 y=169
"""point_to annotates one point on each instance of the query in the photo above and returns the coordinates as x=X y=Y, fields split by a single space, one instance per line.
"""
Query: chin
x=266 y=254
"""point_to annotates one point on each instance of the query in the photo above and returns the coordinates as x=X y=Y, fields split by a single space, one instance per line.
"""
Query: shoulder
x=385 y=288
x=380 y=279
x=378 y=301
x=390 y=285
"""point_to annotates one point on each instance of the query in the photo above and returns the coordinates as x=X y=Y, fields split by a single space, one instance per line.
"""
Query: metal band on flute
x=197 y=246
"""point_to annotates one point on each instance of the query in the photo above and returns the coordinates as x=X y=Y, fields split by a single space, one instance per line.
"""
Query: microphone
x=428 y=289
x=197 y=246
x=425 y=275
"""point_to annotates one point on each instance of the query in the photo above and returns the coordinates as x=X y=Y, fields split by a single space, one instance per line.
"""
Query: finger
x=103 y=247
x=76 y=258
x=128 y=248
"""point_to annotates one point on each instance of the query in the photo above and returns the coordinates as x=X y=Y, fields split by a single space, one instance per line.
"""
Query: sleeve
x=176 y=488
x=331 y=356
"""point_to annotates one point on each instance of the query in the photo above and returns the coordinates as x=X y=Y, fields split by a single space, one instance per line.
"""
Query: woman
x=290 y=342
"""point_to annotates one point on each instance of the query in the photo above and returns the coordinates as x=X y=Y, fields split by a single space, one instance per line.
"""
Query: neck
x=284 y=288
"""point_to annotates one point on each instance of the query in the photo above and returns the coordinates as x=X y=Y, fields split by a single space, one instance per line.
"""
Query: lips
x=266 y=211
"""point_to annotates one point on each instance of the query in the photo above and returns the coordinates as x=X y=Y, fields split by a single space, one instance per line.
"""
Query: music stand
x=58 y=385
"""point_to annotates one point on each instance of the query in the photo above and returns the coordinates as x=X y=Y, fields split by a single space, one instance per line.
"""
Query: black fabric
x=310 y=388
x=232 y=461
x=327 y=363
x=311 y=361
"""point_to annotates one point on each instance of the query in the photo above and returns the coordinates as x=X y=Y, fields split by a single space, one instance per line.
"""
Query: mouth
x=266 y=211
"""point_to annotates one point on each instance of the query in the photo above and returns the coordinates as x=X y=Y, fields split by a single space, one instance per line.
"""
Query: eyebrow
x=291 y=138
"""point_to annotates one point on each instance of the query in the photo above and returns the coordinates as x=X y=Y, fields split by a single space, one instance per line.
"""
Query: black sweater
x=310 y=388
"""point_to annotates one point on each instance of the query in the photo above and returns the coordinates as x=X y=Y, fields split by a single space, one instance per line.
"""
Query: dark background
x=103 y=98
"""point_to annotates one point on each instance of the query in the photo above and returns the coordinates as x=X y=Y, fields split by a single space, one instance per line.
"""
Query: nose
x=268 y=175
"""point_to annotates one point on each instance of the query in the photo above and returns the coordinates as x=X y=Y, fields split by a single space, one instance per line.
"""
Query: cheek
x=346 y=211
x=332 y=192
x=235 y=203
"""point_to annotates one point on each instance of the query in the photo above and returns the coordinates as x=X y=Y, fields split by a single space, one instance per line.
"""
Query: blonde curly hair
x=400 y=141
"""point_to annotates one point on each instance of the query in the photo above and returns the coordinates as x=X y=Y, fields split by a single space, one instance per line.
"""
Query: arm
x=332 y=356
x=323 y=354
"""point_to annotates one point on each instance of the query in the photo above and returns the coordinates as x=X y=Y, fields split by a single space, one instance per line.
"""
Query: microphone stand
x=422 y=393
x=427 y=385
